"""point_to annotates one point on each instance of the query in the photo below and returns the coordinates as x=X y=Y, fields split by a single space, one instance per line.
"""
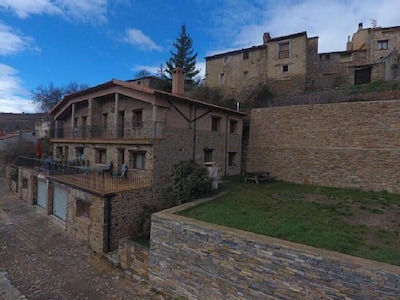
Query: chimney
x=178 y=81
x=360 y=26
x=266 y=37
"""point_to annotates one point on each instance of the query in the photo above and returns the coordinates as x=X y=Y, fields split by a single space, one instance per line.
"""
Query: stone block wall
x=134 y=257
x=350 y=145
x=199 y=260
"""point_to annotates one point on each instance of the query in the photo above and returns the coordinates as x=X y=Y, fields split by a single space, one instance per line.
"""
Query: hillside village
x=114 y=144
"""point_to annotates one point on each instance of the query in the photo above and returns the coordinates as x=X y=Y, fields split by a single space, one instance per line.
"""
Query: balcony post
x=73 y=119
x=154 y=119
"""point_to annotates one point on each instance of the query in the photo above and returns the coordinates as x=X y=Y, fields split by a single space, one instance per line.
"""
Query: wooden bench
x=258 y=176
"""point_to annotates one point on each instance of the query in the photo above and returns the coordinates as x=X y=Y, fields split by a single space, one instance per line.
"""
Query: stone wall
x=198 y=260
x=134 y=257
x=349 y=145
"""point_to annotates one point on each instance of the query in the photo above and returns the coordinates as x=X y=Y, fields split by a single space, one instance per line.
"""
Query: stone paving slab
x=39 y=260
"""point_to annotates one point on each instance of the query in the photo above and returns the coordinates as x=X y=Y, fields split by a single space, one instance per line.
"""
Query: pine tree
x=184 y=57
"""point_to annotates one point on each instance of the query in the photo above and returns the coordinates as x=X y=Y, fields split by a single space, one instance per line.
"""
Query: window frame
x=383 y=44
x=232 y=157
x=100 y=155
x=82 y=208
x=215 y=123
x=282 y=51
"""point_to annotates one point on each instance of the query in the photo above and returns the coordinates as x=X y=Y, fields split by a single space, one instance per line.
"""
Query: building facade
x=117 y=126
x=292 y=64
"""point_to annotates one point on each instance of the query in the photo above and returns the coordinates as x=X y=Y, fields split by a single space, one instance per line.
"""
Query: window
x=283 y=50
x=285 y=68
x=226 y=60
x=79 y=153
x=208 y=154
x=245 y=55
x=232 y=126
x=66 y=152
x=327 y=56
x=100 y=156
x=82 y=208
x=221 y=78
x=24 y=183
x=137 y=118
x=105 y=116
x=383 y=45
x=231 y=159
x=139 y=159
x=215 y=123
x=59 y=152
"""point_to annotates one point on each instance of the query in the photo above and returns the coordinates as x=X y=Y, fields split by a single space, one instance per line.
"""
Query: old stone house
x=126 y=124
x=292 y=64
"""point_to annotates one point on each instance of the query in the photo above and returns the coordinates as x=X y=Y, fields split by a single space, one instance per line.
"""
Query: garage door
x=41 y=193
x=60 y=203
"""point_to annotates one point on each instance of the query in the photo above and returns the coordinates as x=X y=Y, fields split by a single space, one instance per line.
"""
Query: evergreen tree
x=184 y=57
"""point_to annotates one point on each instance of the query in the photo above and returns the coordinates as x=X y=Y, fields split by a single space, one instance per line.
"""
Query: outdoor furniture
x=258 y=176
x=122 y=172
x=106 y=170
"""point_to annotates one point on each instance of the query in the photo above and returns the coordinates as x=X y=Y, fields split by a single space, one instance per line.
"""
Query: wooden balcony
x=136 y=130
x=91 y=180
x=104 y=184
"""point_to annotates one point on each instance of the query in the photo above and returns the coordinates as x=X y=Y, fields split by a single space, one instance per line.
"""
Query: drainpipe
x=108 y=241
x=194 y=134
x=226 y=142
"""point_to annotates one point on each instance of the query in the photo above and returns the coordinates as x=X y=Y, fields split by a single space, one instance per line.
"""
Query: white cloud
x=137 y=38
x=25 y=8
x=11 y=42
x=331 y=21
x=92 y=11
x=13 y=97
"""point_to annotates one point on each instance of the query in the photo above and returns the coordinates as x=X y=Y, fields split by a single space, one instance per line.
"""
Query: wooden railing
x=142 y=130
x=107 y=183
x=90 y=179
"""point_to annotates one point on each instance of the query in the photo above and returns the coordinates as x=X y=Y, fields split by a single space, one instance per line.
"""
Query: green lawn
x=364 y=224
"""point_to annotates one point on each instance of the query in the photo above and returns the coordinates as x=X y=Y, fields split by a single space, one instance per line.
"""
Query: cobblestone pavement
x=39 y=260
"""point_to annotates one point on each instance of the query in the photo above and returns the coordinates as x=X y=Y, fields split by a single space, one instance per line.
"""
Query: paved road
x=38 y=260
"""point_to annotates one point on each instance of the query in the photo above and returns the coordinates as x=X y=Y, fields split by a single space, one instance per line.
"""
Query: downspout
x=226 y=143
x=194 y=134
x=108 y=241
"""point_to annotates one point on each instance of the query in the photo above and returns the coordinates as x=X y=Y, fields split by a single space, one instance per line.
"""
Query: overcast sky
x=94 y=41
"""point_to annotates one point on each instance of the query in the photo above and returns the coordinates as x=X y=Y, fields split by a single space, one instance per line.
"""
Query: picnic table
x=258 y=176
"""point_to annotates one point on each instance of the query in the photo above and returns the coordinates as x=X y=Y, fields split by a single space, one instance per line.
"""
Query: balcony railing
x=134 y=130
x=88 y=178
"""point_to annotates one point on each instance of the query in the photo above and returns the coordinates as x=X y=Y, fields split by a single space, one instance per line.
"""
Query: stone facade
x=349 y=145
x=134 y=257
x=199 y=260
x=291 y=64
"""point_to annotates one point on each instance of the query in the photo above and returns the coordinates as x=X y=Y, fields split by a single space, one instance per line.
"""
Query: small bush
x=189 y=181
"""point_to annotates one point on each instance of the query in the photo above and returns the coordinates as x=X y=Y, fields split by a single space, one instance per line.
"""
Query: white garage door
x=60 y=203
x=41 y=194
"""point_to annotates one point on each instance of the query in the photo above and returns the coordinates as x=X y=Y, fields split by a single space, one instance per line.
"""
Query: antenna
x=374 y=23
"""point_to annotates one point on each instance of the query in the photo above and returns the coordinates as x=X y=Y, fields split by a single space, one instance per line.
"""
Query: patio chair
x=122 y=172
x=108 y=169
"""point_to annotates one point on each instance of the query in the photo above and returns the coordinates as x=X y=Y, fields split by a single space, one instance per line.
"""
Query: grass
x=364 y=224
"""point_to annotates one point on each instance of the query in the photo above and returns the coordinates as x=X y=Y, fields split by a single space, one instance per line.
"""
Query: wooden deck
x=107 y=184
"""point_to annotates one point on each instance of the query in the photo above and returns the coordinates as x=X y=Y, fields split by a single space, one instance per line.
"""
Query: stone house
x=292 y=64
x=128 y=124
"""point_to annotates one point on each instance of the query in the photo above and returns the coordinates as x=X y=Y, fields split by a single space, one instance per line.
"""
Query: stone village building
x=130 y=124
x=292 y=64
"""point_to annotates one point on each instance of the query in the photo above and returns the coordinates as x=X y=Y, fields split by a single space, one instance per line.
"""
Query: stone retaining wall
x=348 y=145
x=198 y=260
x=134 y=257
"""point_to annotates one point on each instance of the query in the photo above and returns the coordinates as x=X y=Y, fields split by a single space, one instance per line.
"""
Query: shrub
x=189 y=181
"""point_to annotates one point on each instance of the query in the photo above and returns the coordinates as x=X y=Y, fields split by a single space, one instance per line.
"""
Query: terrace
x=90 y=179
